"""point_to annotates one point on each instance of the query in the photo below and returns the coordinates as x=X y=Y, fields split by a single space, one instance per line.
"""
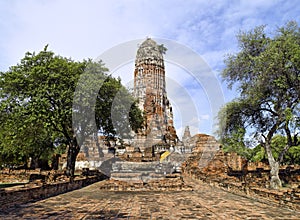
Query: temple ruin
x=150 y=90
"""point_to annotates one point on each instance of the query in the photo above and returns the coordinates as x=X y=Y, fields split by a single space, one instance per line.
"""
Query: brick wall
x=232 y=173
x=285 y=197
x=14 y=196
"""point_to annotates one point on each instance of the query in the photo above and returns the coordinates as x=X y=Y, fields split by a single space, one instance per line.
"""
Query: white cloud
x=85 y=29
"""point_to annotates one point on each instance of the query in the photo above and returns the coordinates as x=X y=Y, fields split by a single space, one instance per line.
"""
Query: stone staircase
x=140 y=171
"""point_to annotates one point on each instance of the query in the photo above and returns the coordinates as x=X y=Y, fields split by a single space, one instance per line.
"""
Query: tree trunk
x=275 y=182
x=73 y=151
x=34 y=163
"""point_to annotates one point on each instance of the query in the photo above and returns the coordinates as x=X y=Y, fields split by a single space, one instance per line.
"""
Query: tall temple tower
x=150 y=90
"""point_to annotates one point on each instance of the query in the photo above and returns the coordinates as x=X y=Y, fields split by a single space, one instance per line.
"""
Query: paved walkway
x=203 y=202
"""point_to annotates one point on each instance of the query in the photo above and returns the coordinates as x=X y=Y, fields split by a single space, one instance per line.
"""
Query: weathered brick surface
x=13 y=196
x=231 y=172
x=150 y=90
x=169 y=183
x=203 y=202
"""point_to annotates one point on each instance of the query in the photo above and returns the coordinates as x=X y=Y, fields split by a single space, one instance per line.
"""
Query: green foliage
x=293 y=155
x=278 y=144
x=258 y=154
x=136 y=117
x=162 y=49
x=37 y=105
x=266 y=73
x=236 y=143
x=112 y=105
x=117 y=112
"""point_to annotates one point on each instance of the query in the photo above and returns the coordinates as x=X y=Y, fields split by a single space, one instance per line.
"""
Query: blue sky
x=85 y=29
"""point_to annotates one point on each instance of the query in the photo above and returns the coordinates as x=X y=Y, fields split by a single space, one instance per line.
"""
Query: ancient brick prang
x=150 y=90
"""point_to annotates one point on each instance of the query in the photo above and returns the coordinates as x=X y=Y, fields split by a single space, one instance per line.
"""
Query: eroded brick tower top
x=150 y=90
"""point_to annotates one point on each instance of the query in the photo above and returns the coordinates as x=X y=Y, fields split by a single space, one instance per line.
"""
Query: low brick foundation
x=14 y=196
x=235 y=174
x=285 y=197
x=172 y=182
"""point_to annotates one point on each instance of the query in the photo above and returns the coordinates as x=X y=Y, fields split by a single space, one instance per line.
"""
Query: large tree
x=38 y=104
x=35 y=95
x=266 y=73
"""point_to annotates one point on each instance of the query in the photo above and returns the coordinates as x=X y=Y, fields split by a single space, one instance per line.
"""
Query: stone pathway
x=203 y=202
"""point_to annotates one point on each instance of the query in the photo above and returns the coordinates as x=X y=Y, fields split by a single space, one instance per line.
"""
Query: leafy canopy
x=37 y=106
x=266 y=72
